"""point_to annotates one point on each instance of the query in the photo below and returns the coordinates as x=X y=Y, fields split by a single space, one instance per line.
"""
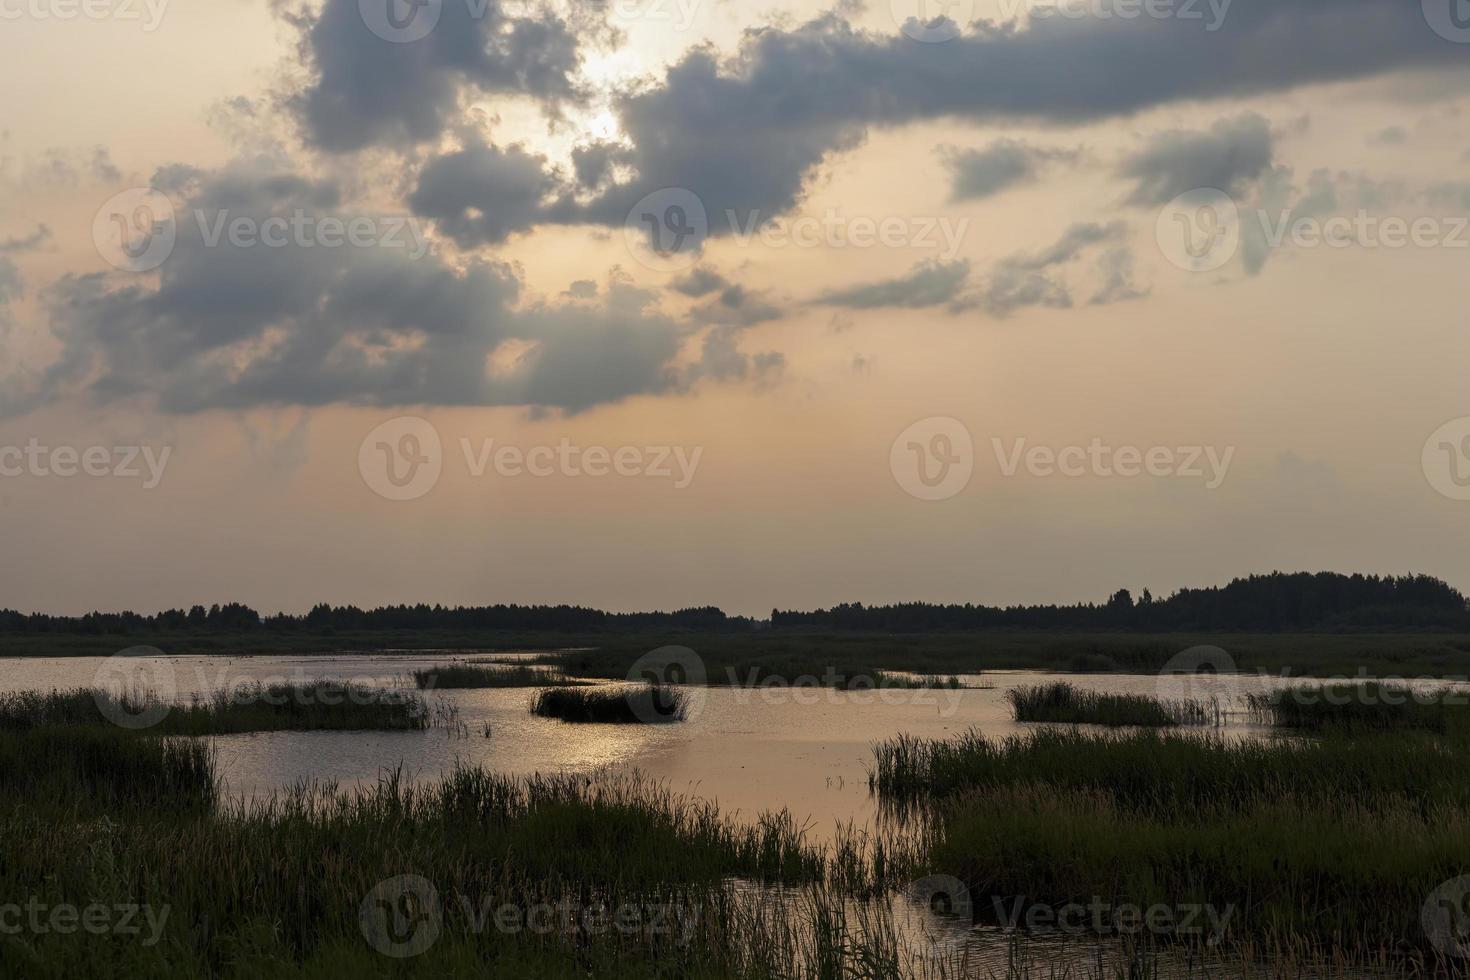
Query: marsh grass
x=1358 y=707
x=274 y=886
x=1332 y=843
x=95 y=771
x=467 y=675
x=647 y=705
x=1063 y=702
x=311 y=706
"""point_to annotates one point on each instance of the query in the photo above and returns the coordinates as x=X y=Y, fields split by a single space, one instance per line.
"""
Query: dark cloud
x=736 y=306
x=1013 y=283
x=699 y=282
x=1072 y=243
x=931 y=283
x=25 y=243
x=745 y=133
x=1029 y=279
x=236 y=327
x=721 y=359
x=366 y=90
x=1115 y=266
x=1229 y=155
x=483 y=194
x=1003 y=164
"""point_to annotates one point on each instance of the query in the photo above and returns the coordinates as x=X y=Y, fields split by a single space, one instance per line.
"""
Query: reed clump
x=1333 y=843
x=1366 y=707
x=452 y=676
x=1063 y=702
x=651 y=704
x=310 y=706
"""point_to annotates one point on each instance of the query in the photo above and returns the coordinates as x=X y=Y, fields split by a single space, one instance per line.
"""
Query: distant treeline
x=235 y=617
x=1278 y=601
x=1275 y=602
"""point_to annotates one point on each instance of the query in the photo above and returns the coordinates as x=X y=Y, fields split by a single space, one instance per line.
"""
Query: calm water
x=805 y=749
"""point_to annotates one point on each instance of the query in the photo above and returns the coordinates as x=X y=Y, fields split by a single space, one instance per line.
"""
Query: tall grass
x=1364 y=707
x=256 y=888
x=1063 y=702
x=315 y=705
x=647 y=705
x=67 y=772
x=1334 y=843
x=449 y=676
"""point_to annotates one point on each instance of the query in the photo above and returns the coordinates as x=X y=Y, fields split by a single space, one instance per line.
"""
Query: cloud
x=1003 y=164
x=1015 y=282
x=698 y=282
x=11 y=285
x=1232 y=153
x=1392 y=136
x=25 y=243
x=736 y=306
x=239 y=327
x=745 y=133
x=721 y=360
x=1449 y=195
x=1029 y=279
x=1116 y=268
x=930 y=283
x=483 y=194
x=367 y=91
x=1073 y=242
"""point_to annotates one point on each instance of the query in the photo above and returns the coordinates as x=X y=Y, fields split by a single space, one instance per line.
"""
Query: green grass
x=791 y=654
x=1333 y=843
x=647 y=705
x=741 y=660
x=274 y=887
x=97 y=771
x=316 y=705
x=1063 y=702
x=451 y=676
x=1364 y=708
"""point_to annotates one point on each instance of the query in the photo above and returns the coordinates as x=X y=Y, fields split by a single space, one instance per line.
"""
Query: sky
x=662 y=303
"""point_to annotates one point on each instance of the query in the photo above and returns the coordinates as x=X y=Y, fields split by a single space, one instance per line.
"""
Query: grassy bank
x=649 y=705
x=317 y=705
x=1361 y=708
x=283 y=887
x=1063 y=702
x=451 y=676
x=1333 y=843
x=790 y=654
x=95 y=771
